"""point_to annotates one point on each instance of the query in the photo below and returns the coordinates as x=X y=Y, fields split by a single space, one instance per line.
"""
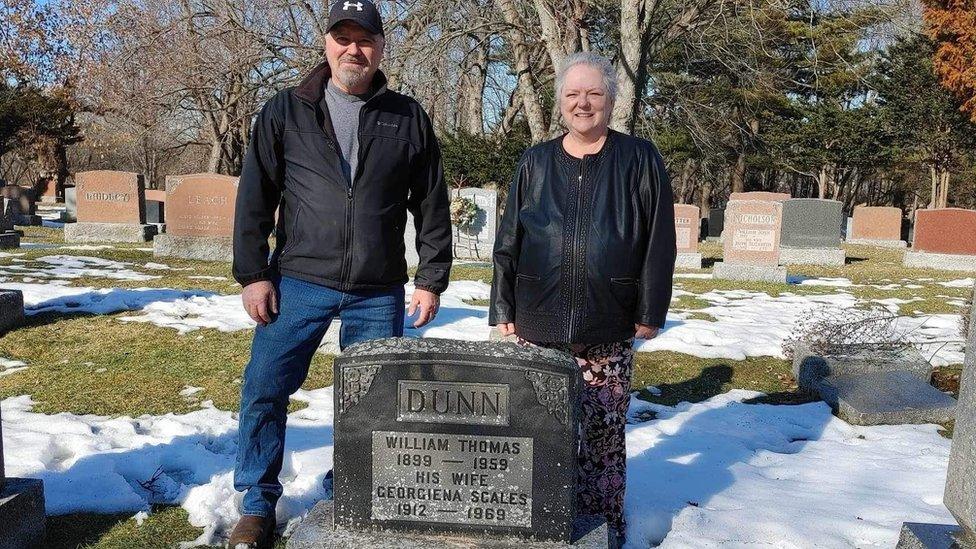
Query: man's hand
x=428 y=302
x=260 y=301
x=643 y=331
x=506 y=328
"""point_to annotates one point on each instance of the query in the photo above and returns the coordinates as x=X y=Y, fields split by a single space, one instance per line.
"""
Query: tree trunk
x=631 y=65
x=944 y=184
x=531 y=103
x=933 y=203
x=738 y=173
x=471 y=112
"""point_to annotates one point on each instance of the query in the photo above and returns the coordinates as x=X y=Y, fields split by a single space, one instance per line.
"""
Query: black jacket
x=585 y=249
x=330 y=232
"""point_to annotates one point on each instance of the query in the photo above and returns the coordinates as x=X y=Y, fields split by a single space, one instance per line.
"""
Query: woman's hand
x=643 y=331
x=506 y=328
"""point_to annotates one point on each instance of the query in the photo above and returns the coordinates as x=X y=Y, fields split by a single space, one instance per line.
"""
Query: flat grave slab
x=886 y=398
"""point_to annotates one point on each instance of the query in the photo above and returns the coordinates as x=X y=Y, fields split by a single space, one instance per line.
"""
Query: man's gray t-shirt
x=344 y=111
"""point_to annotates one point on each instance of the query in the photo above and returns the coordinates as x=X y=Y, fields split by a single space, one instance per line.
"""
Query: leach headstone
x=944 y=239
x=811 y=232
x=111 y=208
x=876 y=226
x=476 y=240
x=440 y=440
x=751 y=242
x=199 y=217
x=687 y=224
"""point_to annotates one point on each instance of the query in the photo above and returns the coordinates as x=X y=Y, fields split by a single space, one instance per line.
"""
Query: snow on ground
x=72 y=266
x=716 y=473
x=960 y=283
x=724 y=474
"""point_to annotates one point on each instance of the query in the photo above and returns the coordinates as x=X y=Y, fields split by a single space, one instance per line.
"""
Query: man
x=342 y=159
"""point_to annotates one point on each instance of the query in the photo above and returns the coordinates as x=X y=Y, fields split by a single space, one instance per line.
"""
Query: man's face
x=354 y=55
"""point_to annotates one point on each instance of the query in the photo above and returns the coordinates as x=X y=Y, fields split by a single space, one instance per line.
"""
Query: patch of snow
x=190 y=391
x=202 y=277
x=691 y=275
x=833 y=282
x=960 y=283
x=88 y=247
x=70 y=267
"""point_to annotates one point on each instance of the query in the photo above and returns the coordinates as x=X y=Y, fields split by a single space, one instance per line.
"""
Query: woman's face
x=584 y=102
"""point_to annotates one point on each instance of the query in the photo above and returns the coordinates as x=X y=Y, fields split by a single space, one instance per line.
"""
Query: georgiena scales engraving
x=463 y=479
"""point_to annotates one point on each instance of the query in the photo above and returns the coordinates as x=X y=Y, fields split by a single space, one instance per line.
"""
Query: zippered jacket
x=585 y=249
x=347 y=235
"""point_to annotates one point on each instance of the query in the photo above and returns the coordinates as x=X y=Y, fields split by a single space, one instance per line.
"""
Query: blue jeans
x=280 y=357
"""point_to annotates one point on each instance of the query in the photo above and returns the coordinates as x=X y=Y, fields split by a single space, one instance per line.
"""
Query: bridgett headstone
x=441 y=441
x=111 y=208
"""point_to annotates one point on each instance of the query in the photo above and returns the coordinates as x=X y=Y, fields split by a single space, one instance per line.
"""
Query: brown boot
x=252 y=532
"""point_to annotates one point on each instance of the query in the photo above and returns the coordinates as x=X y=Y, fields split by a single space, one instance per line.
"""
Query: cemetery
x=678 y=275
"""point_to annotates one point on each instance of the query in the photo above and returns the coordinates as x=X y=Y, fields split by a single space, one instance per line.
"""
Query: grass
x=99 y=365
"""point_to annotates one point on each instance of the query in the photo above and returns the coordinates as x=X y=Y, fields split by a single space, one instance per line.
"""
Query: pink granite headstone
x=752 y=231
x=760 y=195
x=945 y=231
x=687 y=226
x=876 y=223
x=110 y=197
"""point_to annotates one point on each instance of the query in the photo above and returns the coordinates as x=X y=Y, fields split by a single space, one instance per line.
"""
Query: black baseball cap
x=361 y=12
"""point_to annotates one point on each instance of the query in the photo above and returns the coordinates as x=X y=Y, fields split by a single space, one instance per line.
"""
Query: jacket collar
x=312 y=87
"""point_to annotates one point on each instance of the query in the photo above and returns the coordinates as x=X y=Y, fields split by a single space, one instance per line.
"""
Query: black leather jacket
x=585 y=249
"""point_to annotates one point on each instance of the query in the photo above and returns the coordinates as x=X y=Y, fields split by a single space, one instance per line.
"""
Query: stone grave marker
x=687 y=224
x=716 y=223
x=867 y=386
x=477 y=240
x=9 y=238
x=944 y=239
x=440 y=440
x=156 y=206
x=760 y=195
x=811 y=232
x=876 y=226
x=19 y=205
x=70 y=204
x=959 y=498
x=199 y=217
x=751 y=242
x=111 y=208
x=21 y=499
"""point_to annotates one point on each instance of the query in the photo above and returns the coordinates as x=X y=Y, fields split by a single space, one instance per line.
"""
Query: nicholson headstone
x=199 y=217
x=111 y=208
x=21 y=503
x=435 y=440
x=960 y=495
x=477 y=239
x=944 y=240
x=811 y=232
x=876 y=226
x=687 y=224
x=751 y=242
x=760 y=195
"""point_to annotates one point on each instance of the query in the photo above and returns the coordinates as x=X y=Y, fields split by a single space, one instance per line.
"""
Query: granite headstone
x=944 y=240
x=199 y=217
x=687 y=224
x=751 y=244
x=716 y=223
x=111 y=207
x=811 y=232
x=877 y=226
x=456 y=438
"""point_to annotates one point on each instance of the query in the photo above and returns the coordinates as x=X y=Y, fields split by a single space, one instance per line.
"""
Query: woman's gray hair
x=590 y=59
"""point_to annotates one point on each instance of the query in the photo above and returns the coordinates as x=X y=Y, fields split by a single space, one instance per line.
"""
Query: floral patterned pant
x=606 y=370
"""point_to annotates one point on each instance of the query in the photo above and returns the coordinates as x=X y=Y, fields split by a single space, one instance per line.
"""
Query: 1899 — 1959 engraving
x=449 y=478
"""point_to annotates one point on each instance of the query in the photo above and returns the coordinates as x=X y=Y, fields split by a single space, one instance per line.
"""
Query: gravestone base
x=917 y=535
x=9 y=240
x=11 y=316
x=28 y=220
x=813 y=256
x=21 y=513
x=941 y=262
x=195 y=247
x=878 y=242
x=886 y=398
x=757 y=273
x=688 y=261
x=317 y=532
x=713 y=239
x=108 y=232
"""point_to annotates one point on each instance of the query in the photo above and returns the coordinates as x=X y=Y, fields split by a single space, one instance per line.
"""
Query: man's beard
x=351 y=77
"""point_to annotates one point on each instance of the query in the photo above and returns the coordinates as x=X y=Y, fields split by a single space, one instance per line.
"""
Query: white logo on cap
x=357 y=5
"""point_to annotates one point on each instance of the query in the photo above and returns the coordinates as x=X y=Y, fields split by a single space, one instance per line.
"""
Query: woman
x=583 y=262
